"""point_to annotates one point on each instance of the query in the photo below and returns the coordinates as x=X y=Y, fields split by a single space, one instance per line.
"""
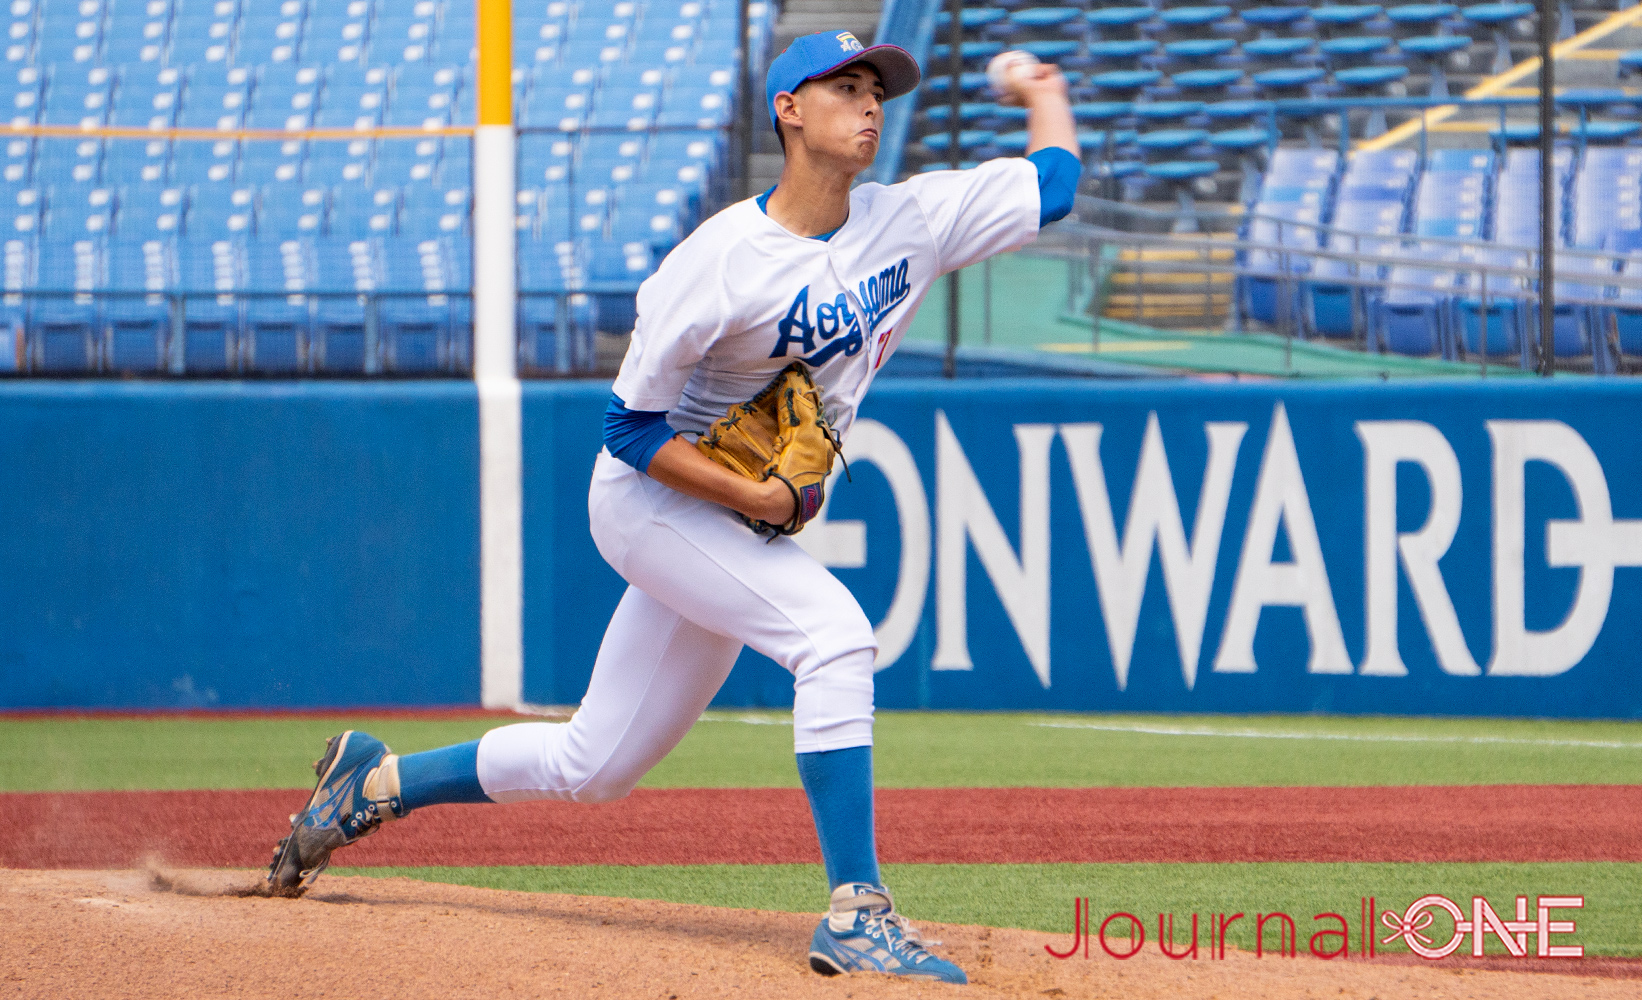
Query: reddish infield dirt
x=125 y=934
x=765 y=826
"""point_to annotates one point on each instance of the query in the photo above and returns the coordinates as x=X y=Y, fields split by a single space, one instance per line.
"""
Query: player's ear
x=786 y=109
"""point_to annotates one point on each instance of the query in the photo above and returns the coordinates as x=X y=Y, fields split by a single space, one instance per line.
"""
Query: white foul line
x=1250 y=734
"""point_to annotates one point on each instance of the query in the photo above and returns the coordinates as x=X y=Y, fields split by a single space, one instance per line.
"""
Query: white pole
x=495 y=368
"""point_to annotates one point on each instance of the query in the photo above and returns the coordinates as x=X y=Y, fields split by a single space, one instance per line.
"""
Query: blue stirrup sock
x=449 y=774
x=839 y=786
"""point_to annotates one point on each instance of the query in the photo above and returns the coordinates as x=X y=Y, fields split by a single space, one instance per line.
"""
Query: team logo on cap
x=848 y=42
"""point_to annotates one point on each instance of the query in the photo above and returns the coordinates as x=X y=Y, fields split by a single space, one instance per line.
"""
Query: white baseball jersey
x=742 y=298
x=734 y=304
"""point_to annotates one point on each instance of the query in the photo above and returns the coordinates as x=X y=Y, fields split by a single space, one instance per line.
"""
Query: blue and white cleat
x=358 y=790
x=863 y=933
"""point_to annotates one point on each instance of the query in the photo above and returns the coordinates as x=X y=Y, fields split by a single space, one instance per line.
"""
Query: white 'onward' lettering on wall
x=843 y=544
x=1596 y=543
x=1280 y=496
x=1154 y=518
x=963 y=515
x=1386 y=443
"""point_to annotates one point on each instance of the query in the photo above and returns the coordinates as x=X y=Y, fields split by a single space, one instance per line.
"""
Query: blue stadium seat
x=137 y=313
x=1495 y=18
x=1434 y=51
x=430 y=211
x=401 y=162
x=78 y=211
x=80 y=160
x=150 y=210
x=289 y=210
x=79 y=97
x=62 y=317
x=147 y=98
x=358 y=211
x=278 y=317
x=348 y=272
x=416 y=329
x=220 y=212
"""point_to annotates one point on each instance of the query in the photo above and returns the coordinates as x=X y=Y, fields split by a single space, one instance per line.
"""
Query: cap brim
x=897 y=70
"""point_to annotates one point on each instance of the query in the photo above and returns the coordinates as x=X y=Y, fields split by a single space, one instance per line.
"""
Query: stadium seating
x=326 y=256
x=1457 y=236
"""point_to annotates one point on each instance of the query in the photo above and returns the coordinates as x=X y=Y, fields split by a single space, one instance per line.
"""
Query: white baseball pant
x=701 y=586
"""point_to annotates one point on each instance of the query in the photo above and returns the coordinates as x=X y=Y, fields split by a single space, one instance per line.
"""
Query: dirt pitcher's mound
x=194 y=935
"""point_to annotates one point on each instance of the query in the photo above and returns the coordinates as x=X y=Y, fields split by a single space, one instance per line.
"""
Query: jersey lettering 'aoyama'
x=878 y=294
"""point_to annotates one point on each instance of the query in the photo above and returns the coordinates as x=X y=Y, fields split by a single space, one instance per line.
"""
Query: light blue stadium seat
x=137 y=315
x=1156 y=112
x=1038 y=17
x=1122 y=50
x=968 y=140
x=138 y=160
x=553 y=107
x=348 y=270
x=359 y=211
x=1201 y=49
x=1353 y=47
x=1111 y=18
x=429 y=211
x=1294 y=78
x=214 y=162
x=340 y=163
x=1097 y=111
x=1277 y=49
x=278 y=326
x=1345 y=15
x=1050 y=50
x=1194 y=17
x=977 y=51
x=1270 y=18
x=1497 y=17
x=20 y=208
x=290 y=210
x=264 y=40
x=1415 y=313
x=1433 y=51
x=703 y=108
x=1128 y=81
x=150 y=211
x=79 y=97
x=265 y=162
x=20 y=91
x=147 y=98
x=968 y=82
x=976 y=17
x=220 y=212
x=79 y=211
x=80 y=160
x=416 y=329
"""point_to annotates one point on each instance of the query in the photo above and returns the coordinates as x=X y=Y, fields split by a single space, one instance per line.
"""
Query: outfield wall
x=1460 y=548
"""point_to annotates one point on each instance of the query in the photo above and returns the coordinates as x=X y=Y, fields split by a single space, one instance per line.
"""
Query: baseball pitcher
x=756 y=340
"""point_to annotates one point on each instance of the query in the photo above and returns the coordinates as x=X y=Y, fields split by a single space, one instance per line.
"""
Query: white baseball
x=1001 y=71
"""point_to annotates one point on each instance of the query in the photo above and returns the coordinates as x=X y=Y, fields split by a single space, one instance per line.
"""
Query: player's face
x=843 y=115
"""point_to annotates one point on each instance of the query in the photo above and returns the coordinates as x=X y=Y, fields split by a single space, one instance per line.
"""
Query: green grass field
x=954 y=750
x=937 y=749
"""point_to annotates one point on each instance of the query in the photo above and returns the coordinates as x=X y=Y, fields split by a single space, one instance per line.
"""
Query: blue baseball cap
x=810 y=56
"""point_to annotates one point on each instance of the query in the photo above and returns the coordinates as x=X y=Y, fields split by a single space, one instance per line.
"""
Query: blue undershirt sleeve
x=1058 y=173
x=634 y=436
